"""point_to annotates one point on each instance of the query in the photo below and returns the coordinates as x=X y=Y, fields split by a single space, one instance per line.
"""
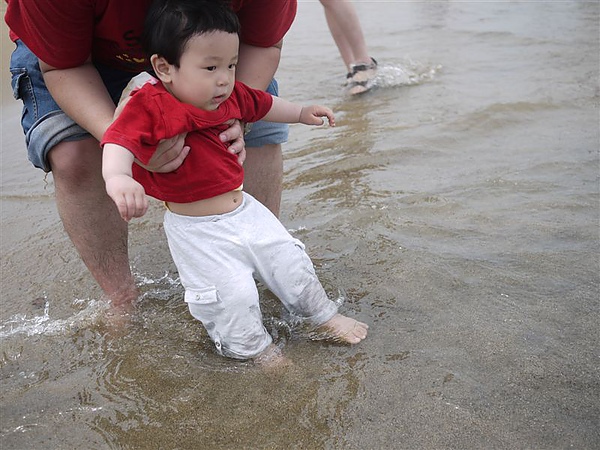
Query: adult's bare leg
x=263 y=175
x=91 y=219
x=346 y=31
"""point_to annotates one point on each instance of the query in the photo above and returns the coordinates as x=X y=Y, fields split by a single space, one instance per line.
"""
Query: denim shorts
x=263 y=133
x=45 y=125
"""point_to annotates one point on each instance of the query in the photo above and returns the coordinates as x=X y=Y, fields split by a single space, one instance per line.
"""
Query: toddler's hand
x=312 y=115
x=128 y=195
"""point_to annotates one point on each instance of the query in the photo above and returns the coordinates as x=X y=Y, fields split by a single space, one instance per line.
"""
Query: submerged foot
x=342 y=329
x=121 y=306
x=272 y=359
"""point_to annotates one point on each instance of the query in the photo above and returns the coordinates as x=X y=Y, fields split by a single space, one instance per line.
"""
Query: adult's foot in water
x=121 y=306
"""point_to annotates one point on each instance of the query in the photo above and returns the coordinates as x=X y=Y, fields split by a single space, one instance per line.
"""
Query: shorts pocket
x=19 y=78
x=205 y=305
x=203 y=296
x=22 y=88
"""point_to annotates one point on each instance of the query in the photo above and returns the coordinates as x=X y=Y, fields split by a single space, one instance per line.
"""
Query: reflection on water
x=456 y=206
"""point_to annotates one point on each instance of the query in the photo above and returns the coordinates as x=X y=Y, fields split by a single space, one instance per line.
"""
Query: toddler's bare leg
x=343 y=329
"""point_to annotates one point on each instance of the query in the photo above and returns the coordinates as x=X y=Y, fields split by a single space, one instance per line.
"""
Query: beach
x=455 y=208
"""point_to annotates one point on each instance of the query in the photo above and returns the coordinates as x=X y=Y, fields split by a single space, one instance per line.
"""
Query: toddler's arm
x=128 y=194
x=288 y=112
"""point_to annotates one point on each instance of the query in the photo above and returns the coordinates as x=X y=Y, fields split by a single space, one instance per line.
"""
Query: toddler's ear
x=162 y=68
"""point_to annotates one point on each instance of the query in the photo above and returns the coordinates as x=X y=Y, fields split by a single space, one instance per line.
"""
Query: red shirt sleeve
x=139 y=127
x=264 y=22
x=254 y=104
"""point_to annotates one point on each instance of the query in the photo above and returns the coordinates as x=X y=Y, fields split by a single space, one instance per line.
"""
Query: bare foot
x=342 y=329
x=272 y=360
x=124 y=298
x=119 y=312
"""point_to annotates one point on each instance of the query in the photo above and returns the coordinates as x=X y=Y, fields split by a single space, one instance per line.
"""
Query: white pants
x=218 y=259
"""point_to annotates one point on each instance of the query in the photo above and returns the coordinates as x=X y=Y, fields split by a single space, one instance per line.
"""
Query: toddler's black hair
x=170 y=24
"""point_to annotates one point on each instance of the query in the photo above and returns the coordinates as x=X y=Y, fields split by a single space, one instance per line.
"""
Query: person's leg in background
x=347 y=33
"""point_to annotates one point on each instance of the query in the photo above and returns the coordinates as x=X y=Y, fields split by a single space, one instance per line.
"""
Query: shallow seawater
x=456 y=206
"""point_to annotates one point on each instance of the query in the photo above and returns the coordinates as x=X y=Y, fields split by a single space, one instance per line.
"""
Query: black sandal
x=361 y=77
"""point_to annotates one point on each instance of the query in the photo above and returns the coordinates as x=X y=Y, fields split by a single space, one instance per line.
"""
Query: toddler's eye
x=211 y=68
x=232 y=66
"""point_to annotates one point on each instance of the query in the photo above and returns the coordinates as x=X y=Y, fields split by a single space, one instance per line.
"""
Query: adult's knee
x=76 y=163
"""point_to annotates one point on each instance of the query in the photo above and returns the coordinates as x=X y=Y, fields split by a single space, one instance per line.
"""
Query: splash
x=162 y=288
x=407 y=74
x=44 y=324
x=300 y=229
x=143 y=280
x=92 y=310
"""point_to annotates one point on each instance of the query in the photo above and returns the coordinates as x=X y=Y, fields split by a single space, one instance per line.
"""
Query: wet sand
x=457 y=205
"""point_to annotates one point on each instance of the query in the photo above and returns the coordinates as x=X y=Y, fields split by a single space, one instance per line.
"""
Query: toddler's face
x=206 y=73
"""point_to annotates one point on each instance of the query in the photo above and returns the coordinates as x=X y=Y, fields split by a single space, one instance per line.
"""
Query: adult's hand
x=233 y=137
x=169 y=155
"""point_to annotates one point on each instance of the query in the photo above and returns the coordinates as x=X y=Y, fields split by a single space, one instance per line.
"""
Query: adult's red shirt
x=64 y=33
x=153 y=114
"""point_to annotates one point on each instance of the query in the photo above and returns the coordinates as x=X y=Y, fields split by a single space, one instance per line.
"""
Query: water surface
x=457 y=205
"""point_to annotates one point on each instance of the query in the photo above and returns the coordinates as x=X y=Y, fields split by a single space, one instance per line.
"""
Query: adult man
x=72 y=61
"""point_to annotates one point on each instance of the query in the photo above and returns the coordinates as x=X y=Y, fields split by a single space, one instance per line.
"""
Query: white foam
x=44 y=324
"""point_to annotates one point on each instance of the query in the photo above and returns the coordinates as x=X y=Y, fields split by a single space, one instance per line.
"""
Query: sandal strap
x=358 y=83
x=362 y=67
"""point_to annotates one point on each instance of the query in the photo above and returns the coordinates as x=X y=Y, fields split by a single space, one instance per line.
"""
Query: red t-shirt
x=153 y=114
x=63 y=33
